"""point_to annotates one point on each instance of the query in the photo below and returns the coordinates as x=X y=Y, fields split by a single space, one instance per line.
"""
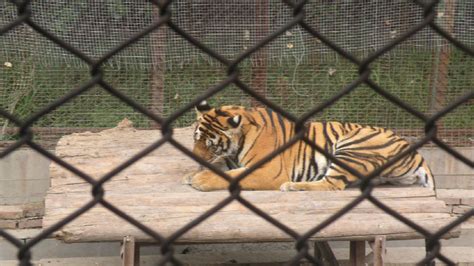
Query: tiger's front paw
x=207 y=182
x=289 y=186
x=199 y=182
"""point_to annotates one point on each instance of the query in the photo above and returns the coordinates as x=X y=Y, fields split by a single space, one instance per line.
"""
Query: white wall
x=24 y=177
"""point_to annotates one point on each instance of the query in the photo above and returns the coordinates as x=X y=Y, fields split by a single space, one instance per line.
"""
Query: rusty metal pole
x=158 y=68
x=260 y=59
x=441 y=65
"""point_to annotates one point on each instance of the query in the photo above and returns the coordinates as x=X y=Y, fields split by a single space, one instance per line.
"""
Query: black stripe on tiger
x=270 y=114
x=212 y=120
x=343 y=178
x=282 y=126
x=261 y=131
x=376 y=147
x=328 y=143
x=313 y=162
x=350 y=142
x=301 y=161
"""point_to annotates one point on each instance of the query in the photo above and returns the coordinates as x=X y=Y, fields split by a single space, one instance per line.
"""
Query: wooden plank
x=151 y=191
x=199 y=202
x=357 y=253
x=461 y=209
x=455 y=193
x=100 y=225
x=98 y=153
x=379 y=250
x=140 y=184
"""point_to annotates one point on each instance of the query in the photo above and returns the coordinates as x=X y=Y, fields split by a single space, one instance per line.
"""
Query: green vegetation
x=26 y=87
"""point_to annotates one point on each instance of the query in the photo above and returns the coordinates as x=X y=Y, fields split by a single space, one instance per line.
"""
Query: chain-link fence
x=368 y=62
x=163 y=72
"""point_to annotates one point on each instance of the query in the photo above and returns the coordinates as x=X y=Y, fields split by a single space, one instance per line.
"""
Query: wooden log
x=151 y=191
x=171 y=203
x=455 y=194
x=99 y=224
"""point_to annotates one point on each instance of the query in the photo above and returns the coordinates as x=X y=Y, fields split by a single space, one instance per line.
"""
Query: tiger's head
x=218 y=132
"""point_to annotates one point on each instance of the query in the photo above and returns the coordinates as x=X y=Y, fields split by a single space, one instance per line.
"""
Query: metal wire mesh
x=163 y=72
x=88 y=68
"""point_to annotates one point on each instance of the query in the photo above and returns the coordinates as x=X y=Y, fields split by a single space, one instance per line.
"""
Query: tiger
x=233 y=138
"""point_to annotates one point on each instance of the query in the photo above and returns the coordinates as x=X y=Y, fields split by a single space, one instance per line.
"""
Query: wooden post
x=379 y=250
x=158 y=68
x=323 y=251
x=130 y=252
x=357 y=253
x=259 y=63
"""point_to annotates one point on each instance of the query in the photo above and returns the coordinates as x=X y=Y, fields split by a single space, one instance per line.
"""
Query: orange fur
x=244 y=136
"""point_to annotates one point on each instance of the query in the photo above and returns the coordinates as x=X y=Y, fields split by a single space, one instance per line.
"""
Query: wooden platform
x=151 y=192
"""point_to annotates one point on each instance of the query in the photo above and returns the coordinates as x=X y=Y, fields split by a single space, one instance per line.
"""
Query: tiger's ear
x=202 y=107
x=234 y=121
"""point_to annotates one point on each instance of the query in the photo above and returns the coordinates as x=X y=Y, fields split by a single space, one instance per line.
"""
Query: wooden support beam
x=379 y=250
x=357 y=253
x=323 y=252
x=130 y=252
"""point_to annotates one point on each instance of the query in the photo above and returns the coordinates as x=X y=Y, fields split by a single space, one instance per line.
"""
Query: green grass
x=27 y=87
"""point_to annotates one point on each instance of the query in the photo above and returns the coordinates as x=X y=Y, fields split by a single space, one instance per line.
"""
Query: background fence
x=51 y=87
x=163 y=71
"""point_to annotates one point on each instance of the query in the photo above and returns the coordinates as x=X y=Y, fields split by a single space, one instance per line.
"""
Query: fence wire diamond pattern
x=165 y=19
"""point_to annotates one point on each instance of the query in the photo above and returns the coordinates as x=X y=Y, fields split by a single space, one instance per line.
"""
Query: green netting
x=163 y=72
